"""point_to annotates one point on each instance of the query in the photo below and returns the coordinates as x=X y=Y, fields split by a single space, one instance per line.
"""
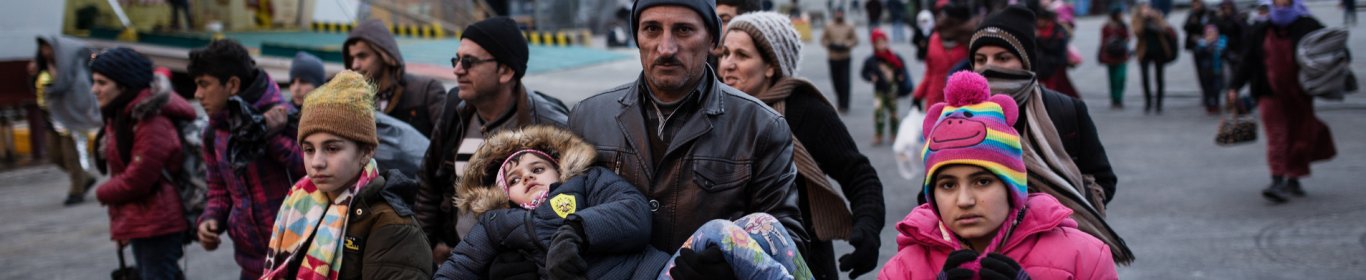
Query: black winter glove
x=562 y=259
x=513 y=265
x=1000 y=267
x=864 y=258
x=709 y=264
x=951 y=271
x=918 y=104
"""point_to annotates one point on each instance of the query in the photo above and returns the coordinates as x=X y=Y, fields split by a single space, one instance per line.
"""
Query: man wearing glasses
x=489 y=66
x=371 y=50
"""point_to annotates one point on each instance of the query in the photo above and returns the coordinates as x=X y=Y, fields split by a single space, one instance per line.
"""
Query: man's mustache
x=667 y=61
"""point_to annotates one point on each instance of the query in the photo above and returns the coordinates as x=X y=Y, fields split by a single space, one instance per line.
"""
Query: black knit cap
x=704 y=8
x=126 y=67
x=500 y=37
x=308 y=68
x=1012 y=29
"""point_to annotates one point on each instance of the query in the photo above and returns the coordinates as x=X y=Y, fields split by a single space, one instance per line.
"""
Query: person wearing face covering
x=1295 y=137
x=1062 y=148
x=920 y=37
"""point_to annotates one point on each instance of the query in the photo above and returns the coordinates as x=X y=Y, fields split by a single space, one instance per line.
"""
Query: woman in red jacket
x=948 y=46
x=140 y=141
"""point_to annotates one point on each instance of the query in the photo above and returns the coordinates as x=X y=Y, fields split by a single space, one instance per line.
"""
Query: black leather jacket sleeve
x=773 y=189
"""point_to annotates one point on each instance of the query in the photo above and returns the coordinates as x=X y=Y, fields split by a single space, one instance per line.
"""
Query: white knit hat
x=774 y=36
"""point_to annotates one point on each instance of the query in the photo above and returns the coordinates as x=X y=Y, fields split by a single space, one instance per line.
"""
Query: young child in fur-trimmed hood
x=596 y=225
x=980 y=222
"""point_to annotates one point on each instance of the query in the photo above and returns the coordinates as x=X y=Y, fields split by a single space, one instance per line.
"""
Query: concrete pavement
x=1188 y=208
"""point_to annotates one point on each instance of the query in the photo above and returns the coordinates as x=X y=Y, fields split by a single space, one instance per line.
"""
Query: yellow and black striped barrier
x=423 y=31
x=333 y=27
x=581 y=38
x=563 y=38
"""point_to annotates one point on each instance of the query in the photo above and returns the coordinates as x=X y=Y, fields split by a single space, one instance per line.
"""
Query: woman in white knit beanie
x=760 y=54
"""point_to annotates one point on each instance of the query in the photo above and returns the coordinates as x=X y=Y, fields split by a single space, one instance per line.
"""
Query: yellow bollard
x=128 y=35
x=561 y=39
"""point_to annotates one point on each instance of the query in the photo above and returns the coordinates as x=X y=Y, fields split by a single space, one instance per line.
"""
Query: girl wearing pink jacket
x=980 y=222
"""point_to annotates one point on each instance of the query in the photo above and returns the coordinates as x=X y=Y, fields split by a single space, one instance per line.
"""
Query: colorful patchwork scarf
x=307 y=212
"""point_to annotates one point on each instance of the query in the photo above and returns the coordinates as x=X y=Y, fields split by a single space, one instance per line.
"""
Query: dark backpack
x=189 y=180
x=1170 y=43
x=1116 y=47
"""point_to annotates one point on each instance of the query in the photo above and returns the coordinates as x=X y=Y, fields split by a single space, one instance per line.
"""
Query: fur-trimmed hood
x=476 y=192
x=162 y=101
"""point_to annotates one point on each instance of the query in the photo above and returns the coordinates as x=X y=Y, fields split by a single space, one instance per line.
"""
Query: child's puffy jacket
x=616 y=225
x=616 y=218
x=1046 y=243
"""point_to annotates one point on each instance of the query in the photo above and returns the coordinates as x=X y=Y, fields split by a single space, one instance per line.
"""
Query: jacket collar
x=152 y=102
x=263 y=94
x=393 y=187
x=921 y=227
x=712 y=103
x=522 y=111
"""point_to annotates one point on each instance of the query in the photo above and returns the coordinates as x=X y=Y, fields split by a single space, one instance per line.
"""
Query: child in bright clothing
x=597 y=225
x=887 y=71
x=980 y=220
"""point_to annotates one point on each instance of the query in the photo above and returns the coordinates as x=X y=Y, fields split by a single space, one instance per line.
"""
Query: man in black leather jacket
x=698 y=149
x=489 y=66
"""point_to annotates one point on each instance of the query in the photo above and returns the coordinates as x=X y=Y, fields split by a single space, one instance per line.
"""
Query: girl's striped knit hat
x=973 y=127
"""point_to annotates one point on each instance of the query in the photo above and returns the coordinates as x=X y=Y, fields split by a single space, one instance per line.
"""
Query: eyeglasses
x=468 y=61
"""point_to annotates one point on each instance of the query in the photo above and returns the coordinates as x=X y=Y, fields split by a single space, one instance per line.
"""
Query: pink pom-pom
x=965 y=88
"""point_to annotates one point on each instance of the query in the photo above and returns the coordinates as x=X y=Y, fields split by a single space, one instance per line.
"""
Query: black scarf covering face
x=1017 y=83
